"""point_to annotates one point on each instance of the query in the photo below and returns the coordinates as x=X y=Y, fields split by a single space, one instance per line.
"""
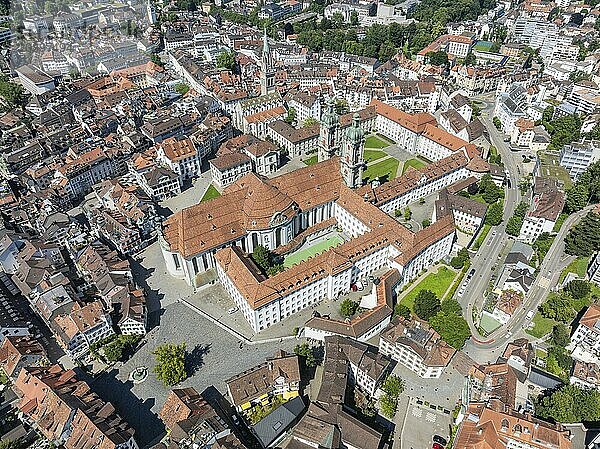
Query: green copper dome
x=355 y=133
x=330 y=118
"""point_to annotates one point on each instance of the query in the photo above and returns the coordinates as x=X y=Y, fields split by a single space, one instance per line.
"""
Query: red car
x=437 y=446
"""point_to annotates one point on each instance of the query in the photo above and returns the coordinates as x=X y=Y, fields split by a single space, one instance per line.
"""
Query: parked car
x=437 y=446
x=530 y=314
x=440 y=440
x=233 y=310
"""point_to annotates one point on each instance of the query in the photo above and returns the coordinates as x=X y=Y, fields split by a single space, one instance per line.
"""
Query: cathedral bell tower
x=267 y=71
x=352 y=162
x=330 y=122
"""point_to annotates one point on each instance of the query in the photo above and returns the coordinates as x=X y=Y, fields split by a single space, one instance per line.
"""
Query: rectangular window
x=195 y=264
x=176 y=260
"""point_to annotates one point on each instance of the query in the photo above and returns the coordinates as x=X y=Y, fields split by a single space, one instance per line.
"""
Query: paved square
x=417 y=433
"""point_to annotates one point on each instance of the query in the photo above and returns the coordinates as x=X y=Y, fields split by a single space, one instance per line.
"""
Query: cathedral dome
x=354 y=133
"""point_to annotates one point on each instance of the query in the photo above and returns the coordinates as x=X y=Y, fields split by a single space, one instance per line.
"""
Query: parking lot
x=443 y=392
x=421 y=423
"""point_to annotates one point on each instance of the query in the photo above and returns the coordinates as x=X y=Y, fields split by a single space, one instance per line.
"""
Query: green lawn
x=311 y=160
x=373 y=155
x=384 y=170
x=559 y=222
x=375 y=142
x=578 y=266
x=304 y=254
x=541 y=326
x=210 y=193
x=438 y=283
x=414 y=163
x=550 y=167
x=482 y=235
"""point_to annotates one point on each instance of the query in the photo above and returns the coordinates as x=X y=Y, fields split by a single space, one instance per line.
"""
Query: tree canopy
x=426 y=305
x=584 y=239
x=570 y=404
x=452 y=327
x=348 y=307
x=226 y=59
x=170 y=363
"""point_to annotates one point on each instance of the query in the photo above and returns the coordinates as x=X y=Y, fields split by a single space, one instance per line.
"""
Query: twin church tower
x=330 y=138
x=349 y=146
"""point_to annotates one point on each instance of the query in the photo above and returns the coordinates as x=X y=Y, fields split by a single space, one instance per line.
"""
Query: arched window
x=505 y=424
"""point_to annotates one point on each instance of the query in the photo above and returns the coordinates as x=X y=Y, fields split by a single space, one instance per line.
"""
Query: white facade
x=578 y=156
x=409 y=358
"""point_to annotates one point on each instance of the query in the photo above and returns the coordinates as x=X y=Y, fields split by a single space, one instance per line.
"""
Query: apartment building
x=277 y=376
x=548 y=203
x=417 y=346
x=83 y=326
x=181 y=156
x=585 y=340
x=496 y=424
x=66 y=411
x=576 y=157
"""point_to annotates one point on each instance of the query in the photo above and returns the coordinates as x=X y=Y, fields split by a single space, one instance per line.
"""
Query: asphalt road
x=487 y=256
x=488 y=348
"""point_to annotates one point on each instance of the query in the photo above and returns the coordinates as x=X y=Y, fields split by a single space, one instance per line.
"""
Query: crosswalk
x=418 y=413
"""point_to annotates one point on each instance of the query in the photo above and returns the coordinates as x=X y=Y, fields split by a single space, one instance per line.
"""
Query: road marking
x=417 y=412
x=430 y=417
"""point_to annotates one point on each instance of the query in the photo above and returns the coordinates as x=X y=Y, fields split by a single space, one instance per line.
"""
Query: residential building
x=34 y=80
x=593 y=271
x=508 y=302
x=191 y=420
x=180 y=156
x=83 y=326
x=134 y=314
x=66 y=411
x=548 y=203
x=417 y=346
x=585 y=340
x=305 y=106
x=585 y=375
x=294 y=141
x=497 y=424
x=21 y=352
x=576 y=157
x=227 y=169
x=469 y=215
x=278 y=376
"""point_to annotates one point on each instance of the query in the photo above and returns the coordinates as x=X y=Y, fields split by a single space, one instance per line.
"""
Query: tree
x=393 y=386
x=348 y=307
x=578 y=288
x=558 y=307
x=490 y=192
x=13 y=94
x=156 y=60
x=182 y=88
x=542 y=245
x=407 y=214
x=450 y=306
x=437 y=58
x=120 y=347
x=170 y=363
x=11 y=444
x=493 y=217
x=584 y=239
x=307 y=352
x=461 y=258
x=354 y=18
x=426 y=222
x=402 y=310
x=388 y=405
x=470 y=59
x=513 y=226
x=310 y=121
x=426 y=305
x=341 y=106
x=262 y=257
x=226 y=59
x=291 y=116
x=497 y=123
x=577 y=198
x=560 y=335
x=570 y=404
x=452 y=327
